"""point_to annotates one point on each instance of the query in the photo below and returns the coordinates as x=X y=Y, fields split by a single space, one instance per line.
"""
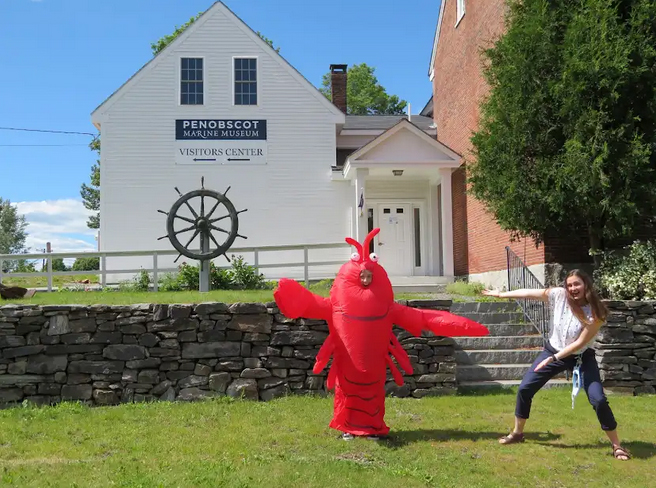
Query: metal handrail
x=155 y=270
x=519 y=277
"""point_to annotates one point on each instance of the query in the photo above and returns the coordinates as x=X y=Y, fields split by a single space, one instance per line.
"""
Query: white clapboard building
x=221 y=104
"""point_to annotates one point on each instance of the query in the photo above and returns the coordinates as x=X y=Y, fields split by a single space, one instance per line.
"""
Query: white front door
x=394 y=244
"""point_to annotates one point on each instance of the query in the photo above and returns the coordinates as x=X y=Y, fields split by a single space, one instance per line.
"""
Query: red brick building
x=464 y=28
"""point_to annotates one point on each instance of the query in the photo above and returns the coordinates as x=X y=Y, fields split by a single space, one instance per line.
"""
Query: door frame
x=420 y=203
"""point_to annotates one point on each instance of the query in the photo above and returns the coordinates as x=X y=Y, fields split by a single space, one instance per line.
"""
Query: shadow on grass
x=637 y=449
x=402 y=438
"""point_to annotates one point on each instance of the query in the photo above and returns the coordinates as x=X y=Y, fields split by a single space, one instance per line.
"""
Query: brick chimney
x=338 y=78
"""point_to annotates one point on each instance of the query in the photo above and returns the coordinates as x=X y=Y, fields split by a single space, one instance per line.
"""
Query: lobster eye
x=373 y=257
x=355 y=257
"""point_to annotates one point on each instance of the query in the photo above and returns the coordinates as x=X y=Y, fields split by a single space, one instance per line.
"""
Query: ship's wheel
x=190 y=218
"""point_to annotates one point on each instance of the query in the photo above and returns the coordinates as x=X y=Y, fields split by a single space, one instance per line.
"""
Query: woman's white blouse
x=565 y=327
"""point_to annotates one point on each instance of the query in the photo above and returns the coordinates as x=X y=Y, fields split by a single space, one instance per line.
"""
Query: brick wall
x=458 y=88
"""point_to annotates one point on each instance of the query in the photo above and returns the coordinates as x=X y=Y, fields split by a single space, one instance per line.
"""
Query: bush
x=86 y=264
x=139 y=283
x=628 y=274
x=245 y=277
x=242 y=276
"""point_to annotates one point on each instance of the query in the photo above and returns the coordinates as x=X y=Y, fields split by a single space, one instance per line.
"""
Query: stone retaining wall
x=626 y=348
x=111 y=354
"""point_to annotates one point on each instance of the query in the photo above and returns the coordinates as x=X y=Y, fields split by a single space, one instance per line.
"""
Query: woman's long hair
x=599 y=310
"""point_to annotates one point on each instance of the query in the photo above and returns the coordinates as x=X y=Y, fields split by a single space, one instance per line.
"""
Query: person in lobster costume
x=360 y=314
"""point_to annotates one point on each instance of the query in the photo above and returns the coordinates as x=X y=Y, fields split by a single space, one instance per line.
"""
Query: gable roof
x=384 y=122
x=239 y=23
x=405 y=124
x=431 y=66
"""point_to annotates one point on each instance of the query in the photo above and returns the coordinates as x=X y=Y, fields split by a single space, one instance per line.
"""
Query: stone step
x=494 y=318
x=491 y=385
x=511 y=329
x=499 y=342
x=484 y=307
x=497 y=356
x=486 y=372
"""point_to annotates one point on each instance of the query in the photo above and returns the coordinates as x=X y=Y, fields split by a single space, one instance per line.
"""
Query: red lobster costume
x=360 y=318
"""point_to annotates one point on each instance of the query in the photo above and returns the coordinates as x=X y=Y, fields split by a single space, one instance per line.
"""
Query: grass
x=42 y=281
x=463 y=291
x=445 y=442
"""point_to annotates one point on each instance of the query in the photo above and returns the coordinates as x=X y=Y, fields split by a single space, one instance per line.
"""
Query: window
x=460 y=10
x=245 y=81
x=370 y=227
x=191 y=81
x=417 y=226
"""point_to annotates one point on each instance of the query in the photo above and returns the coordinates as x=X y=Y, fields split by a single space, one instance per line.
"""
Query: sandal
x=512 y=438
x=619 y=452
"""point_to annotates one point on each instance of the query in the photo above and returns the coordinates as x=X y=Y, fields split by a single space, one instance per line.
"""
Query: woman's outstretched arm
x=534 y=294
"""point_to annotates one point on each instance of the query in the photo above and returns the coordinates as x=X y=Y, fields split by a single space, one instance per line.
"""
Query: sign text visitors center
x=220 y=141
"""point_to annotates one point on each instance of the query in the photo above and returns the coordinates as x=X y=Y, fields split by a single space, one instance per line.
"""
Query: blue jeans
x=533 y=381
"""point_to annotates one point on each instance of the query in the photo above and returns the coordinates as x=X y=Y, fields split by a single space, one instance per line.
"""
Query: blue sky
x=61 y=58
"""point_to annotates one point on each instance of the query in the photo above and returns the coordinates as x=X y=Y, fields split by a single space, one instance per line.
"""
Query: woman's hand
x=549 y=360
x=492 y=293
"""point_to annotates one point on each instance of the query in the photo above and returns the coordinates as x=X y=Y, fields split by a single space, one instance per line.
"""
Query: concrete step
x=494 y=318
x=499 y=342
x=511 y=329
x=486 y=372
x=497 y=356
x=491 y=385
x=484 y=307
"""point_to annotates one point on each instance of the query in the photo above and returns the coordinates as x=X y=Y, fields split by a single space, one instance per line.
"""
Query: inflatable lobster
x=360 y=314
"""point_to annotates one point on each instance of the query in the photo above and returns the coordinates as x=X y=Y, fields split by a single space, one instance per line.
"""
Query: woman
x=577 y=313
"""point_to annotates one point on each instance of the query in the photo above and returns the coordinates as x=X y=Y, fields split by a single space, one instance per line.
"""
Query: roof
x=427 y=111
x=219 y=5
x=384 y=122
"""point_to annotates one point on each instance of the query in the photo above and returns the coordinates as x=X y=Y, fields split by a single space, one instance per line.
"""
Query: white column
x=360 y=231
x=434 y=243
x=447 y=222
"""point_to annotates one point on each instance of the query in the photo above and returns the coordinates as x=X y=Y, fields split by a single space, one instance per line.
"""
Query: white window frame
x=257 y=81
x=179 y=90
x=460 y=11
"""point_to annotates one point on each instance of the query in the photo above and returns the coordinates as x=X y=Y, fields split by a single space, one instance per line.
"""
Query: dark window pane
x=184 y=99
x=199 y=63
x=386 y=210
x=238 y=75
x=185 y=63
x=399 y=210
x=417 y=237
x=237 y=63
x=253 y=99
x=253 y=64
x=199 y=99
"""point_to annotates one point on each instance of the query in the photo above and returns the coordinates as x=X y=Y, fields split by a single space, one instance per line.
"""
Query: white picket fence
x=257 y=253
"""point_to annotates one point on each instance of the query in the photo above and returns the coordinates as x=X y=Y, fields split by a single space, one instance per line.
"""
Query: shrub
x=86 y=264
x=141 y=282
x=246 y=277
x=629 y=273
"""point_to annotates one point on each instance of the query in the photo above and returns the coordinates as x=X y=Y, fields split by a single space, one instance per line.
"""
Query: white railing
x=306 y=264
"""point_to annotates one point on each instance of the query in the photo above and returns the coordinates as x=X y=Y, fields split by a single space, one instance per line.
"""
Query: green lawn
x=42 y=281
x=445 y=442
x=124 y=298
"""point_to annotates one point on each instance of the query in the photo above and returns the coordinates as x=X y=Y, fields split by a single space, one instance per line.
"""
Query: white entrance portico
x=403 y=178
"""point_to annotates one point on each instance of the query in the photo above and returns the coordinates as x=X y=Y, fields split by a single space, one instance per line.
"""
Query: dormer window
x=460 y=11
x=191 y=81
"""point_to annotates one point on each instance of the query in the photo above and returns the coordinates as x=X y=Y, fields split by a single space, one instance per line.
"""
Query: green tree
x=161 y=43
x=91 y=193
x=364 y=95
x=567 y=137
x=86 y=264
x=59 y=265
x=12 y=229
